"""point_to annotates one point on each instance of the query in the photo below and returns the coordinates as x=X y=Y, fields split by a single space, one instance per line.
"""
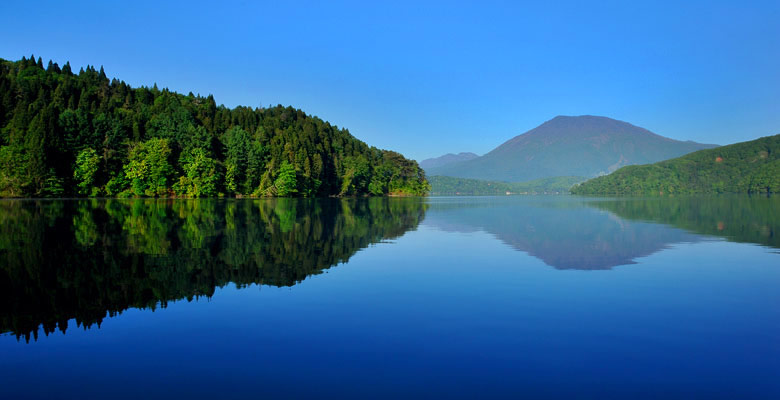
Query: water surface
x=504 y=297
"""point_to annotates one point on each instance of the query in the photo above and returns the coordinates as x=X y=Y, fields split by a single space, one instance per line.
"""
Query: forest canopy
x=83 y=134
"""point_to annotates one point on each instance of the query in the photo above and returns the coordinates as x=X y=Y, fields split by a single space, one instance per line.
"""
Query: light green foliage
x=87 y=163
x=201 y=177
x=286 y=183
x=148 y=168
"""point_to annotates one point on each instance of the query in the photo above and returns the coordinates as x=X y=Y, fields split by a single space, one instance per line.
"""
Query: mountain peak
x=581 y=117
x=447 y=159
x=584 y=145
x=596 y=120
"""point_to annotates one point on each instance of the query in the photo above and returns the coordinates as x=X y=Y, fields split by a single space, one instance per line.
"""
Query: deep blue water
x=517 y=297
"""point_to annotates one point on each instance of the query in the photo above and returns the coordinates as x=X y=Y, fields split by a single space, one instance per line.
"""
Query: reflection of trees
x=82 y=259
x=746 y=219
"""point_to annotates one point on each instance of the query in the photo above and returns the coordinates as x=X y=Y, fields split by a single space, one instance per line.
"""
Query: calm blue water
x=532 y=297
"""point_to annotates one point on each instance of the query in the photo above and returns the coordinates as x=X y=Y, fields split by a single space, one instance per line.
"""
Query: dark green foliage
x=236 y=142
x=445 y=185
x=152 y=142
x=747 y=167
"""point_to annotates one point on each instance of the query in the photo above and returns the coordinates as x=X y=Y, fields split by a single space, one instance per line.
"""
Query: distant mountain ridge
x=446 y=159
x=447 y=185
x=586 y=146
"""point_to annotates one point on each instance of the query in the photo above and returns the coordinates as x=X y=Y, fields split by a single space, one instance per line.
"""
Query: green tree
x=87 y=163
x=148 y=168
x=13 y=161
x=356 y=176
x=286 y=183
x=236 y=148
x=201 y=177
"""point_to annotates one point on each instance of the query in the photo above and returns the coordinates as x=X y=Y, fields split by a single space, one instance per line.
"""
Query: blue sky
x=428 y=78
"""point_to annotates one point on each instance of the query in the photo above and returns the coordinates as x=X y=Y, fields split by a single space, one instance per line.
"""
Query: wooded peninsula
x=67 y=134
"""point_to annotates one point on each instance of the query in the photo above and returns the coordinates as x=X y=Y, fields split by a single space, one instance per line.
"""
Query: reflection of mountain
x=561 y=231
x=80 y=259
x=745 y=219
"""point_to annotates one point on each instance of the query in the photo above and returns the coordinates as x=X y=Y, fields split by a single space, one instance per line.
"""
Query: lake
x=441 y=297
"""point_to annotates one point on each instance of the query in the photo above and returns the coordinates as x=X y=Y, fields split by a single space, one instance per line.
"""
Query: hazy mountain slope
x=446 y=159
x=447 y=185
x=570 y=146
x=747 y=167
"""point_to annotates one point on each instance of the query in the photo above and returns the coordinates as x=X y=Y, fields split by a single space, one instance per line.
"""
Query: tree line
x=83 y=134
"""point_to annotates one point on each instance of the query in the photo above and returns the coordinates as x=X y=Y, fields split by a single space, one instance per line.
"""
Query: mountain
x=447 y=185
x=585 y=146
x=747 y=167
x=446 y=159
x=66 y=134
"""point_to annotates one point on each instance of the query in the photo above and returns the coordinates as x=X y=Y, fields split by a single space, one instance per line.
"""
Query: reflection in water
x=577 y=233
x=743 y=219
x=82 y=259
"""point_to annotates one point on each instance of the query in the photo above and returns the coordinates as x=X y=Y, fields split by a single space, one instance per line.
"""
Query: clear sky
x=428 y=78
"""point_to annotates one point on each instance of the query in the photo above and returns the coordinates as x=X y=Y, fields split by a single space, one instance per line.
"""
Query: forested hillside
x=83 y=134
x=445 y=185
x=747 y=167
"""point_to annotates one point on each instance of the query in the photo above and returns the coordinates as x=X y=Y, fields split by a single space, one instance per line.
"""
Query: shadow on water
x=568 y=232
x=84 y=259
